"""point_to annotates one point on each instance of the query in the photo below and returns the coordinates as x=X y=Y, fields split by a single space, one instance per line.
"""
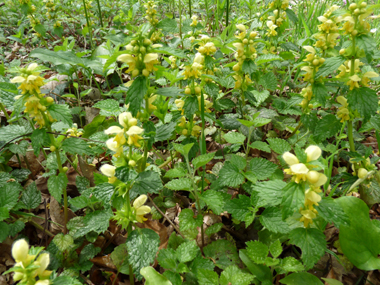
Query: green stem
x=100 y=13
x=227 y=12
x=190 y=8
x=350 y=135
x=4 y=111
x=88 y=22
x=129 y=231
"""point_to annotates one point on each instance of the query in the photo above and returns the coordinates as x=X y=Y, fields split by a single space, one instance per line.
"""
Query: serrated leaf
x=202 y=159
x=63 y=242
x=260 y=96
x=39 y=138
x=278 y=145
x=327 y=127
x=261 y=272
x=275 y=248
x=175 y=173
x=214 y=200
x=293 y=199
x=168 y=25
x=97 y=221
x=257 y=251
x=222 y=252
x=213 y=229
x=269 y=81
x=320 y=92
x=271 y=219
x=332 y=212
x=76 y=146
x=31 y=197
x=16 y=227
x=238 y=207
x=265 y=58
x=290 y=264
x=301 y=278
x=4 y=213
x=312 y=243
x=135 y=94
x=108 y=107
x=152 y=277
x=179 y=184
x=12 y=133
x=364 y=100
x=233 y=275
x=330 y=65
x=187 y=251
x=167 y=258
x=4 y=231
x=9 y=194
x=235 y=138
x=56 y=184
x=260 y=146
x=142 y=247
x=164 y=132
x=60 y=113
x=230 y=175
x=188 y=220
x=146 y=182
x=191 y=106
x=262 y=168
x=103 y=192
x=207 y=277
x=88 y=252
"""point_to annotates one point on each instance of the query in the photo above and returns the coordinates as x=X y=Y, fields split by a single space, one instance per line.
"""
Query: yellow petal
x=140 y=201
x=299 y=168
x=113 y=130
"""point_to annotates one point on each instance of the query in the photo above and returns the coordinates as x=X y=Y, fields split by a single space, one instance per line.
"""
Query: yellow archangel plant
x=311 y=180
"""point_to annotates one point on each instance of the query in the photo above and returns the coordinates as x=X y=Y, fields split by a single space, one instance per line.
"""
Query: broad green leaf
x=257 y=251
x=16 y=227
x=187 y=251
x=207 y=277
x=97 y=221
x=146 y=182
x=332 y=212
x=119 y=258
x=330 y=281
x=238 y=207
x=269 y=192
x=169 y=91
x=179 y=184
x=312 y=243
x=233 y=275
x=183 y=149
x=293 y=199
x=292 y=16
x=173 y=277
x=4 y=213
x=260 y=96
x=301 y=278
x=4 y=231
x=213 y=229
x=88 y=252
x=60 y=113
x=168 y=25
x=261 y=272
x=167 y=258
x=135 y=94
x=234 y=138
x=364 y=100
x=327 y=127
x=230 y=175
x=31 y=197
x=262 y=168
x=56 y=184
x=203 y=159
x=222 y=252
x=7 y=93
x=63 y=242
x=103 y=192
x=191 y=106
x=108 y=107
x=142 y=247
x=188 y=220
x=175 y=173
x=275 y=248
x=320 y=92
x=164 y=132
x=267 y=58
x=19 y=148
x=359 y=240
x=271 y=219
x=66 y=280
x=278 y=145
x=152 y=277
x=269 y=81
x=249 y=66
x=330 y=65
x=57 y=58
x=9 y=194
x=76 y=146
x=12 y=133
x=215 y=200
x=260 y=146
x=39 y=138
x=290 y=264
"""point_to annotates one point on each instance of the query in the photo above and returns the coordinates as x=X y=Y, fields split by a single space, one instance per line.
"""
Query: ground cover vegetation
x=196 y=142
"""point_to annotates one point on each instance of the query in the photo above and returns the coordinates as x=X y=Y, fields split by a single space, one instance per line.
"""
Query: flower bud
x=18 y=276
x=187 y=91
x=353 y=6
x=132 y=163
x=52 y=148
x=342 y=51
x=362 y=173
x=313 y=152
x=245 y=41
x=290 y=158
x=65 y=169
x=253 y=35
x=197 y=90
x=108 y=170
x=315 y=62
x=322 y=60
x=145 y=72
x=20 y=250
x=184 y=132
x=49 y=100
x=363 y=4
x=312 y=176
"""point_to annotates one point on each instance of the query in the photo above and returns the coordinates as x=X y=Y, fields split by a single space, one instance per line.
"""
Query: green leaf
x=327 y=127
x=57 y=58
x=260 y=146
x=39 y=138
x=167 y=258
x=238 y=207
x=292 y=16
x=261 y=272
x=239 y=161
x=7 y=93
x=233 y=275
x=290 y=264
x=271 y=219
x=135 y=94
x=249 y=66
x=56 y=184
x=275 y=248
x=191 y=106
x=312 y=243
x=119 y=258
x=183 y=149
x=179 y=184
x=108 y=107
x=97 y=221
x=142 y=247
x=60 y=113
x=257 y=251
x=269 y=81
x=329 y=281
x=213 y=229
x=330 y=65
x=20 y=174
x=152 y=277
x=265 y=58
x=230 y=175
x=262 y=168
x=76 y=146
x=203 y=159
x=293 y=199
x=301 y=278
x=332 y=212
x=4 y=213
x=66 y=280
x=4 y=231
x=207 y=277
x=146 y=182
x=16 y=227
x=187 y=251
x=235 y=138
x=63 y=242
x=278 y=145
x=169 y=91
x=320 y=92
x=175 y=173
x=260 y=96
x=88 y=252
x=168 y=25
x=19 y=148
x=12 y=133
x=270 y=192
x=188 y=221
x=9 y=194
x=222 y=252
x=359 y=240
x=164 y=132
x=103 y=192
x=31 y=197
x=364 y=100
x=215 y=200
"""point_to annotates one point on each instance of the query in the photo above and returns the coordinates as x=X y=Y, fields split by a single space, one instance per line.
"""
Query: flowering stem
x=88 y=22
x=190 y=8
x=350 y=135
x=4 y=111
x=100 y=13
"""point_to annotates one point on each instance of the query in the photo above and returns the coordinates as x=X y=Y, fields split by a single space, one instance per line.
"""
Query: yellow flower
x=43 y=261
x=362 y=173
x=290 y=158
x=73 y=132
x=20 y=250
x=354 y=81
x=151 y=107
x=366 y=76
x=298 y=171
x=311 y=199
x=194 y=22
x=196 y=131
x=313 y=152
x=114 y=146
x=182 y=123
x=109 y=171
x=130 y=60
x=307 y=217
x=29 y=79
x=272 y=29
x=150 y=59
x=139 y=208
x=243 y=31
x=180 y=103
x=133 y=135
